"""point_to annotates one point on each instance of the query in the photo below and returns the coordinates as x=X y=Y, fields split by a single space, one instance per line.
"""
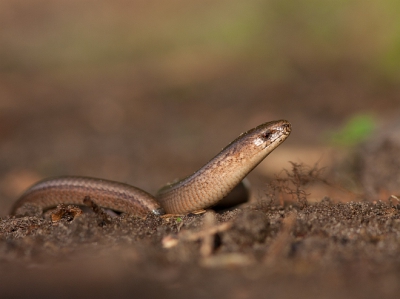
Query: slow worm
x=201 y=190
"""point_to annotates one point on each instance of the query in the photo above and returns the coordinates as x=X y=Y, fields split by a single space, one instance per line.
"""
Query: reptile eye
x=267 y=134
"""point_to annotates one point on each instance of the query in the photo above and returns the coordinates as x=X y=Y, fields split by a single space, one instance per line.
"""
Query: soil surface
x=326 y=249
x=291 y=249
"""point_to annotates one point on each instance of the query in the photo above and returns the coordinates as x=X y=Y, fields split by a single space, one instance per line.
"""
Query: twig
x=280 y=246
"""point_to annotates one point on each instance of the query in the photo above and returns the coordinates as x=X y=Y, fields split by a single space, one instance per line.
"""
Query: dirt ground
x=281 y=245
x=329 y=250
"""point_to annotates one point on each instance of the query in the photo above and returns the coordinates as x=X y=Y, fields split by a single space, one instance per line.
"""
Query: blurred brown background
x=147 y=91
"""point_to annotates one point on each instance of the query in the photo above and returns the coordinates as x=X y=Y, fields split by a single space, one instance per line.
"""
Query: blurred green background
x=274 y=39
x=145 y=91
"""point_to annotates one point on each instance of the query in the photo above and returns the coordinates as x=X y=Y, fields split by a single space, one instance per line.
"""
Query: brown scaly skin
x=198 y=191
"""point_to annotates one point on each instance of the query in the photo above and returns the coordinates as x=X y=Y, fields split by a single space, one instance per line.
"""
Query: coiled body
x=201 y=190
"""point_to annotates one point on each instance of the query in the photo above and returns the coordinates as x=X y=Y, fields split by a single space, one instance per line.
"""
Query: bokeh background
x=147 y=91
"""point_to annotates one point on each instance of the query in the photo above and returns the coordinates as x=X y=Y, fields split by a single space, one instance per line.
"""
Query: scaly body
x=201 y=190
